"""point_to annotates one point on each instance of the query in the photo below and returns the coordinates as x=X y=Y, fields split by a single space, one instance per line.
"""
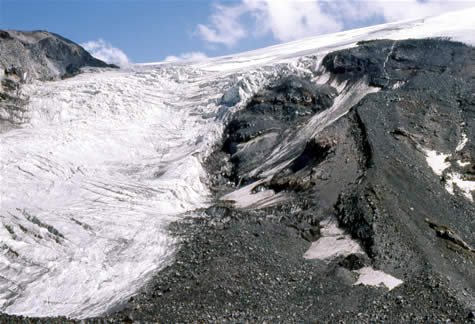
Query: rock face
x=355 y=145
x=35 y=55
x=255 y=131
x=40 y=55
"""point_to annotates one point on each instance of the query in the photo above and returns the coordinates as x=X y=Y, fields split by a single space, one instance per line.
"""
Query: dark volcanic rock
x=355 y=261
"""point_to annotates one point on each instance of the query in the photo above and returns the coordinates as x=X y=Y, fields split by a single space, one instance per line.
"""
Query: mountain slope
x=40 y=55
x=369 y=169
x=316 y=181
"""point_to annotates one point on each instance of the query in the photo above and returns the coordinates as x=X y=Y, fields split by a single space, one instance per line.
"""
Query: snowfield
x=104 y=161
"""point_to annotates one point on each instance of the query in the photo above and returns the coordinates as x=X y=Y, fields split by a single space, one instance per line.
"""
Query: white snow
x=462 y=143
x=465 y=186
x=463 y=164
x=370 y=277
x=245 y=198
x=108 y=160
x=333 y=243
x=398 y=84
x=437 y=161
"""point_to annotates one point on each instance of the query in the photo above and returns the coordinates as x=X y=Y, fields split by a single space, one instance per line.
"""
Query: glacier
x=89 y=183
x=100 y=164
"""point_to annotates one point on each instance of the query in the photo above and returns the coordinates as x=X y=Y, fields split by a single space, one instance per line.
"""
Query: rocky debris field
x=251 y=269
x=248 y=267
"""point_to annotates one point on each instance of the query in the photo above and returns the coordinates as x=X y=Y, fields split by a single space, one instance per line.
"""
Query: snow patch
x=370 y=277
x=437 y=161
x=463 y=164
x=245 y=198
x=462 y=143
x=333 y=243
x=398 y=84
x=465 y=186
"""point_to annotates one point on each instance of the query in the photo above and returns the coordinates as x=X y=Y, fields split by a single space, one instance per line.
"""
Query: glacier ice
x=102 y=164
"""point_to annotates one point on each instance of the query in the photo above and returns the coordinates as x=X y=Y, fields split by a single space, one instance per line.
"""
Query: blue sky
x=155 y=30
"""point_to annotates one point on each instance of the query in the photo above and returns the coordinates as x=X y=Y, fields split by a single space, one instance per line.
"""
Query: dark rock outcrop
x=254 y=132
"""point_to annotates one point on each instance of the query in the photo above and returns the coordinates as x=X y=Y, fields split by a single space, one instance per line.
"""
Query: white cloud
x=394 y=10
x=104 y=51
x=191 y=56
x=288 y=20
x=226 y=28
